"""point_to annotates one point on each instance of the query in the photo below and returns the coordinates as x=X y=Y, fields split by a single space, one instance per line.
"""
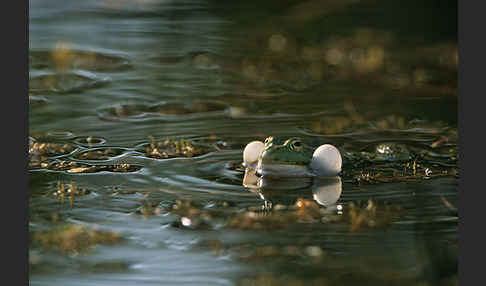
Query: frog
x=287 y=158
x=270 y=141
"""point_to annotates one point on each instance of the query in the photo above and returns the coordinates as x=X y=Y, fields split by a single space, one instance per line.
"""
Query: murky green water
x=109 y=80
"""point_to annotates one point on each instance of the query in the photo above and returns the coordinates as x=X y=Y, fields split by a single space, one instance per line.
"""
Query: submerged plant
x=370 y=215
x=73 y=239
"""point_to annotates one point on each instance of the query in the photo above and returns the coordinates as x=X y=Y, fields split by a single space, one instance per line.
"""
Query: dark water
x=109 y=78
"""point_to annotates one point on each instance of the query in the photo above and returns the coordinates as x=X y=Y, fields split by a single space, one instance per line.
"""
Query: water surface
x=110 y=78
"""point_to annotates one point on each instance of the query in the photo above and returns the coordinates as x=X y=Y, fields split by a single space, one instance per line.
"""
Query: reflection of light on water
x=237 y=111
x=383 y=149
x=186 y=221
x=314 y=251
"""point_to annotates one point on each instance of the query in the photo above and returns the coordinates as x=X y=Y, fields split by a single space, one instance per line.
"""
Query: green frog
x=270 y=141
x=290 y=157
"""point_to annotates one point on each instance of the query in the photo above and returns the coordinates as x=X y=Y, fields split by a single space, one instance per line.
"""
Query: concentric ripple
x=89 y=141
x=66 y=82
x=103 y=154
x=77 y=59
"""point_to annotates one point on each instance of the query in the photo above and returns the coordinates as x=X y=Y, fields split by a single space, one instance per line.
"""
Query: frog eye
x=268 y=140
x=297 y=144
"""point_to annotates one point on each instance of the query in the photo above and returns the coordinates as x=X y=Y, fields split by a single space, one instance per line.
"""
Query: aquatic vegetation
x=99 y=154
x=64 y=57
x=68 y=82
x=385 y=168
x=394 y=162
x=193 y=216
x=149 y=208
x=282 y=216
x=261 y=221
x=370 y=215
x=275 y=253
x=340 y=276
x=356 y=123
x=40 y=153
x=76 y=168
x=73 y=239
x=45 y=149
x=356 y=217
x=37 y=162
x=332 y=125
x=171 y=148
x=43 y=155
x=166 y=110
x=70 y=192
x=268 y=279
x=361 y=55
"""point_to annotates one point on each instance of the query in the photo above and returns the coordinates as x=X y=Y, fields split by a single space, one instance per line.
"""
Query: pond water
x=139 y=111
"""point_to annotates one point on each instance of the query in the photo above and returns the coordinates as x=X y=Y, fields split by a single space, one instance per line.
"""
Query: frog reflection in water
x=291 y=157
